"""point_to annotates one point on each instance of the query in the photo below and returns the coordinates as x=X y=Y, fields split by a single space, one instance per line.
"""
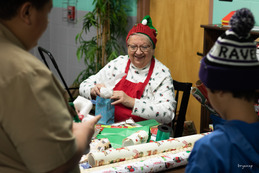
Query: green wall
x=84 y=5
x=222 y=8
x=87 y=5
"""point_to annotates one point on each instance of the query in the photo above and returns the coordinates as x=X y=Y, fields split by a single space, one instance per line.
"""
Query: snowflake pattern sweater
x=157 y=101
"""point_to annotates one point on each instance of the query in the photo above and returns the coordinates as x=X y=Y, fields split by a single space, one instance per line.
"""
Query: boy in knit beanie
x=230 y=72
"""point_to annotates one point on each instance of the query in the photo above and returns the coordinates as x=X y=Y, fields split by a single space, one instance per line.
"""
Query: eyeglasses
x=134 y=48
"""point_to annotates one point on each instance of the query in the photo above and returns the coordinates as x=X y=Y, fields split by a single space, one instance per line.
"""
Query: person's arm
x=95 y=91
x=83 y=133
x=89 y=88
x=50 y=142
x=157 y=103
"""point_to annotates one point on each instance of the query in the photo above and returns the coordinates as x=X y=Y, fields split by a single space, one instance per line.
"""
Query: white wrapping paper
x=154 y=163
x=100 y=145
x=138 y=137
x=83 y=106
x=95 y=146
x=137 y=151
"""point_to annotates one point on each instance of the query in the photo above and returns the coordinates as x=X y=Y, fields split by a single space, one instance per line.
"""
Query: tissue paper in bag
x=103 y=103
x=103 y=106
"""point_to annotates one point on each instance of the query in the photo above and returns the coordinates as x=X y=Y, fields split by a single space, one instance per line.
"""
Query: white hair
x=137 y=33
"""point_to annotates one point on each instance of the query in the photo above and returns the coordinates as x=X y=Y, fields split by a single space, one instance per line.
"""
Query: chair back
x=44 y=52
x=180 y=111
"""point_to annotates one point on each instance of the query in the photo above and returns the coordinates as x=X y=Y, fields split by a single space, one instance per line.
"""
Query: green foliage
x=110 y=20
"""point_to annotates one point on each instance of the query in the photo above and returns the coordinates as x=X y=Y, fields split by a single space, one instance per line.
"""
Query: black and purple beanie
x=232 y=63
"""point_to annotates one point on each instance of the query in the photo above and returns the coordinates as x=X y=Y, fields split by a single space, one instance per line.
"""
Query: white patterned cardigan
x=157 y=101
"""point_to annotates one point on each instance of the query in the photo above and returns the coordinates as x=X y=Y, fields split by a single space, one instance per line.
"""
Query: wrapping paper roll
x=202 y=99
x=210 y=109
x=163 y=132
x=138 y=137
x=100 y=145
x=198 y=95
x=202 y=88
x=154 y=163
x=136 y=151
x=95 y=146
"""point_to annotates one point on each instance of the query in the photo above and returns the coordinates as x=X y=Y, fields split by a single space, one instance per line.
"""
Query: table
x=169 y=154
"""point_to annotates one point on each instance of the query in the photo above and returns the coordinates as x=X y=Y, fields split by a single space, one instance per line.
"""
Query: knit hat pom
x=242 y=22
x=147 y=21
x=232 y=62
x=144 y=22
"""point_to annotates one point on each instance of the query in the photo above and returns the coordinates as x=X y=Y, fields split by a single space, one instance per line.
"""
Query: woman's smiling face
x=144 y=50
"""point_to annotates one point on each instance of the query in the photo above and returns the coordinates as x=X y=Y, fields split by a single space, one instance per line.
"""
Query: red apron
x=134 y=90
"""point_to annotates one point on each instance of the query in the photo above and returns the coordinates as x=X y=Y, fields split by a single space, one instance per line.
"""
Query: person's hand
x=87 y=127
x=123 y=98
x=90 y=126
x=83 y=133
x=95 y=91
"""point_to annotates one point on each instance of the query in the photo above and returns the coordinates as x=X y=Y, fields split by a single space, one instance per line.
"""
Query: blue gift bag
x=103 y=106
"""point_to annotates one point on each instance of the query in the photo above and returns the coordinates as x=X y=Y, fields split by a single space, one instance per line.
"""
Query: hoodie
x=232 y=147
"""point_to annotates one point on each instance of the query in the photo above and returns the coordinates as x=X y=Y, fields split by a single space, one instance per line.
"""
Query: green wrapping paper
x=163 y=132
x=117 y=135
x=149 y=123
x=76 y=118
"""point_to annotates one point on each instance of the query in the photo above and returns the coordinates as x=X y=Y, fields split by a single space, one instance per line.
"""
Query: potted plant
x=110 y=20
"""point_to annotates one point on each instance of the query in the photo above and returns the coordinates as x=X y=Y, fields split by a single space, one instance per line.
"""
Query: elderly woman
x=146 y=90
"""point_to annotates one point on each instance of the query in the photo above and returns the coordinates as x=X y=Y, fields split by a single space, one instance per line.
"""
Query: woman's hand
x=95 y=91
x=123 y=98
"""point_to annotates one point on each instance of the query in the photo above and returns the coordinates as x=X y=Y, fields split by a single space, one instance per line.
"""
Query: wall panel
x=179 y=39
